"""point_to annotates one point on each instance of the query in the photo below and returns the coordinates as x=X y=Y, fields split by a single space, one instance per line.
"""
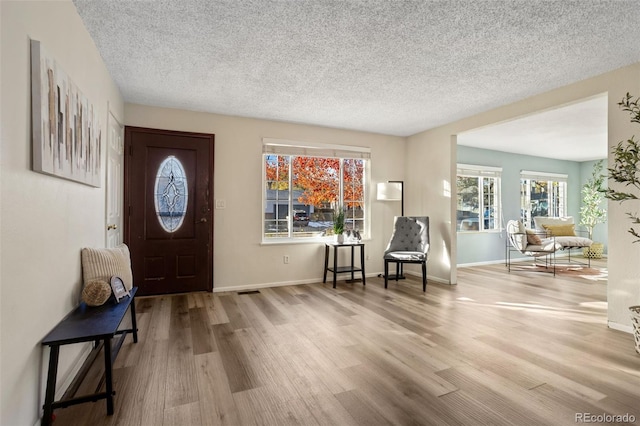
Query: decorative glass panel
x=171 y=194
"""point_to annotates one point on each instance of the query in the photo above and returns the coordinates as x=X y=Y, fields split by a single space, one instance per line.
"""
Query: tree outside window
x=302 y=192
x=477 y=203
x=540 y=197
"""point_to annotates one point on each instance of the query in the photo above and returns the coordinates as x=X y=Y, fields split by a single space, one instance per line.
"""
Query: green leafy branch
x=338 y=220
x=626 y=166
x=591 y=213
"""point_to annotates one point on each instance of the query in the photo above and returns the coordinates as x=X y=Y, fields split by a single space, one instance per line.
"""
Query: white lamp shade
x=389 y=191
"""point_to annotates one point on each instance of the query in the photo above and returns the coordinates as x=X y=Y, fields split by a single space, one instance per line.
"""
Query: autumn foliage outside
x=318 y=179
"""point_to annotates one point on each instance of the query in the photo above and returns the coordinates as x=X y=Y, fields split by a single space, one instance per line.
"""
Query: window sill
x=295 y=241
x=490 y=231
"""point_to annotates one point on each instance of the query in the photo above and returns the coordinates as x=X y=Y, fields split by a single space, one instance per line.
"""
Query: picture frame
x=119 y=290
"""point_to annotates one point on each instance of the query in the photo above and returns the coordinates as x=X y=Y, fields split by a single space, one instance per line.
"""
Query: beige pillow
x=532 y=238
x=560 y=230
x=102 y=264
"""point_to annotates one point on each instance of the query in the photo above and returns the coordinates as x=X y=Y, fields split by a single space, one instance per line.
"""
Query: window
x=478 y=198
x=171 y=194
x=303 y=185
x=542 y=194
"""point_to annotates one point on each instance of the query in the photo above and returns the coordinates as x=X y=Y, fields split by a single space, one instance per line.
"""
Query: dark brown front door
x=169 y=225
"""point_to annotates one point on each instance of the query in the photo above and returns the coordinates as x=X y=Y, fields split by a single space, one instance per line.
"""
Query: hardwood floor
x=523 y=348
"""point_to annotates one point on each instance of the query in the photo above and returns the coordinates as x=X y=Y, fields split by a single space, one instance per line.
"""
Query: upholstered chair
x=408 y=244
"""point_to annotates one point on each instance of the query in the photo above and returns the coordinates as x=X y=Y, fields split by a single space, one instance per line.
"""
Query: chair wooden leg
x=424 y=276
x=397 y=270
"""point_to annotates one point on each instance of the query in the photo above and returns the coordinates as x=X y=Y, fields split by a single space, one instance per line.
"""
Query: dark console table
x=88 y=324
x=341 y=269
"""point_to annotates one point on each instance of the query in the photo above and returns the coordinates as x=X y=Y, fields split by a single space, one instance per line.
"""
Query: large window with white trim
x=304 y=184
x=478 y=198
x=542 y=194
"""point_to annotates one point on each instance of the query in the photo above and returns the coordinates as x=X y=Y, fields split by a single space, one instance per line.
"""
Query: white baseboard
x=488 y=262
x=620 y=327
x=258 y=286
x=310 y=281
x=264 y=285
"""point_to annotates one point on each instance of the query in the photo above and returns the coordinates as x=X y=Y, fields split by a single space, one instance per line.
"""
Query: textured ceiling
x=391 y=67
x=576 y=132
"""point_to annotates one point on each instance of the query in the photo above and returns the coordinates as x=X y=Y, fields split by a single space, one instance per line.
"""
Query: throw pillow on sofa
x=561 y=230
x=532 y=238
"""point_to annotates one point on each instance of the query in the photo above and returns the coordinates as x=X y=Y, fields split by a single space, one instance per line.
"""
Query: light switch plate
x=220 y=204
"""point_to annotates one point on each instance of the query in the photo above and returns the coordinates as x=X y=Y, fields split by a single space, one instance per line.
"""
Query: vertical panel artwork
x=67 y=136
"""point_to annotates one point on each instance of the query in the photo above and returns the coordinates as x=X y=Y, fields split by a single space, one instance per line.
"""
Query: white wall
x=240 y=260
x=45 y=220
x=428 y=193
x=623 y=256
x=623 y=261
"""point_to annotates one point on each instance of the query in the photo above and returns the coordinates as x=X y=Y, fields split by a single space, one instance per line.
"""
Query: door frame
x=128 y=149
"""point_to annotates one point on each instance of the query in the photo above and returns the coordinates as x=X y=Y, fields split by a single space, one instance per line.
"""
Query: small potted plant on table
x=338 y=224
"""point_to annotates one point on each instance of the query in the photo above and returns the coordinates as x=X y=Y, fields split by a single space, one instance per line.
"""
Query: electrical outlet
x=220 y=204
x=368 y=257
x=285 y=259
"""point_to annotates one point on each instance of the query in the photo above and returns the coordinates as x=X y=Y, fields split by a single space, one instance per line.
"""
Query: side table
x=342 y=269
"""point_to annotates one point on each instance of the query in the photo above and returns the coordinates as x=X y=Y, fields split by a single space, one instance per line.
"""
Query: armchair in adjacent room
x=530 y=243
x=409 y=244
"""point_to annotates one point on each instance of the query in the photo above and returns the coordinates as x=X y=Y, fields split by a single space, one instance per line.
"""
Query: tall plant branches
x=626 y=166
x=591 y=213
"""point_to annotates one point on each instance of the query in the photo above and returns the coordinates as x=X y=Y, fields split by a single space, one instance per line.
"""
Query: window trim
x=284 y=147
x=473 y=170
x=288 y=147
x=558 y=177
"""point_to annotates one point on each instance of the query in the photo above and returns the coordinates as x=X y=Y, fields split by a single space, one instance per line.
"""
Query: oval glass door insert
x=171 y=193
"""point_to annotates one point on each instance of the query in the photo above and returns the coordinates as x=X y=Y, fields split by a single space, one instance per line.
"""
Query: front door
x=169 y=225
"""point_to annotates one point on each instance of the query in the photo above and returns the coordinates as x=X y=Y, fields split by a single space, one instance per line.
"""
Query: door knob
x=112 y=226
x=203 y=220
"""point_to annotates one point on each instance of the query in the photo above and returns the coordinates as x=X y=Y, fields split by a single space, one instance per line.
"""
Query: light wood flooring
x=523 y=348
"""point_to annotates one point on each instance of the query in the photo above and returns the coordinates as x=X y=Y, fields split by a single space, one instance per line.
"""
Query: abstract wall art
x=67 y=136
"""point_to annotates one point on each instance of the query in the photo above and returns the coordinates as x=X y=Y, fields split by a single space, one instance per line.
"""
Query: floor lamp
x=392 y=190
